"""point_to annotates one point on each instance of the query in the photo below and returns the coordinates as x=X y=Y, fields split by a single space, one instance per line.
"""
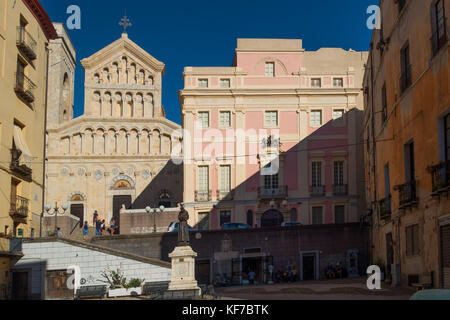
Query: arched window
x=250 y=218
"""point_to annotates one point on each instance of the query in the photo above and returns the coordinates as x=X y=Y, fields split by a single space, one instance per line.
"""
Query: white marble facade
x=121 y=143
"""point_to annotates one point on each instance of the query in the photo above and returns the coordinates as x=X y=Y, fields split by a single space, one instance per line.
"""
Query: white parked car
x=174 y=227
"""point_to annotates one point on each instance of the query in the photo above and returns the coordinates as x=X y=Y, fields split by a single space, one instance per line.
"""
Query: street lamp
x=56 y=212
x=149 y=210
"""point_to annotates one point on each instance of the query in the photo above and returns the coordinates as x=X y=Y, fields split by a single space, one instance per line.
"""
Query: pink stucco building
x=275 y=138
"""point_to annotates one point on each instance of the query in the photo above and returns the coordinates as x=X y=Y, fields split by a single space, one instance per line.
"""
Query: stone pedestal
x=183 y=270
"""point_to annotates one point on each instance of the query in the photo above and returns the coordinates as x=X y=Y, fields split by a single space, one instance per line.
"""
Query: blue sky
x=204 y=33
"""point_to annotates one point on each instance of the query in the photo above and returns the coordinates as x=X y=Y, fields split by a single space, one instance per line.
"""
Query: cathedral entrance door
x=77 y=210
x=118 y=202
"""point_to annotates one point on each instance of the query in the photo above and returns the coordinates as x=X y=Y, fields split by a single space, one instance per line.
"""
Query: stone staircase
x=77 y=234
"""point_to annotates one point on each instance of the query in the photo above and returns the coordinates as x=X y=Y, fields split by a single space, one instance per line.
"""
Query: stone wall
x=59 y=254
x=332 y=242
x=141 y=222
x=66 y=223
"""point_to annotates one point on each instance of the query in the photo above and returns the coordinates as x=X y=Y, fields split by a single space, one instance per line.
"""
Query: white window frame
x=320 y=82
x=200 y=119
x=203 y=80
x=225 y=80
x=344 y=171
x=334 y=211
x=270 y=69
x=271 y=125
x=312 y=214
x=321 y=180
x=199 y=178
x=221 y=125
x=338 y=78
x=311 y=120
x=337 y=122
x=221 y=176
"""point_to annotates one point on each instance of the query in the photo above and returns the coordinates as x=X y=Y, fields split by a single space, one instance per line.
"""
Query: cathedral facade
x=118 y=152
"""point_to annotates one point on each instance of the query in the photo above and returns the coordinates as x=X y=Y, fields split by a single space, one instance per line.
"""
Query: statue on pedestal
x=183 y=261
x=183 y=228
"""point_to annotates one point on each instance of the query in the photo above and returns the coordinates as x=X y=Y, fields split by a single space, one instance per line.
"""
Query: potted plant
x=118 y=285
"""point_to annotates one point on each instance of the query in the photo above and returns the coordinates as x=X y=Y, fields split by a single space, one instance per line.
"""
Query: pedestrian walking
x=103 y=227
x=86 y=230
x=251 y=277
x=98 y=228
x=95 y=218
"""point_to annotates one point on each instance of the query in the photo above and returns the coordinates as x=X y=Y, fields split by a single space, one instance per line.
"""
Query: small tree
x=116 y=280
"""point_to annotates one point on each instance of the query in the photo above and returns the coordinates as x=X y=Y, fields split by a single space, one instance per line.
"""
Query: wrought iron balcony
x=405 y=79
x=203 y=195
x=225 y=195
x=317 y=191
x=19 y=207
x=440 y=177
x=26 y=43
x=385 y=208
x=340 y=190
x=407 y=194
x=24 y=87
x=273 y=193
x=22 y=170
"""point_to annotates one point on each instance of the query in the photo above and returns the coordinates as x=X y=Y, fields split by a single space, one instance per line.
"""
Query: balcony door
x=20 y=73
x=271 y=182
x=203 y=179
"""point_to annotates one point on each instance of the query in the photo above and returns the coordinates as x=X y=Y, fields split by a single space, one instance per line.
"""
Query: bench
x=426 y=284
x=155 y=288
x=91 y=292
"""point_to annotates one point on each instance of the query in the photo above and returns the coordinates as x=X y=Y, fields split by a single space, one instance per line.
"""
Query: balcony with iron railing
x=225 y=195
x=20 y=169
x=340 y=190
x=19 y=207
x=405 y=79
x=317 y=191
x=440 y=178
x=272 y=193
x=26 y=43
x=24 y=87
x=407 y=195
x=203 y=195
x=385 y=208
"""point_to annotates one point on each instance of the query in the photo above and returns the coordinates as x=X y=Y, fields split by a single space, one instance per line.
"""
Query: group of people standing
x=100 y=226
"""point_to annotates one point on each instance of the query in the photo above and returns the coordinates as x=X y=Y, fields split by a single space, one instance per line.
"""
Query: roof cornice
x=42 y=17
x=126 y=44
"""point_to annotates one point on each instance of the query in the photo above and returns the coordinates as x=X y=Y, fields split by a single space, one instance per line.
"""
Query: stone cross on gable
x=125 y=22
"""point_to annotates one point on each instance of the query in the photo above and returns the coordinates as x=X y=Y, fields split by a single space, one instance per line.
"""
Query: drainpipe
x=374 y=140
x=44 y=161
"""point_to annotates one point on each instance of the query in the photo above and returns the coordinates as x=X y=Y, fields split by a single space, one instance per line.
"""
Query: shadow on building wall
x=269 y=208
x=165 y=189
